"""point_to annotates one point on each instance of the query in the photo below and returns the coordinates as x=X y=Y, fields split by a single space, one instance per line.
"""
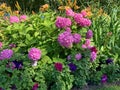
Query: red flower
x=93 y=49
x=59 y=66
x=35 y=86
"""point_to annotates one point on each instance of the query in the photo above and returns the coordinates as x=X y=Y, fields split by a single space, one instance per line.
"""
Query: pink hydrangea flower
x=87 y=44
x=77 y=38
x=14 y=19
x=65 y=39
x=84 y=22
x=1 y=44
x=78 y=56
x=84 y=13
x=23 y=17
x=93 y=56
x=62 y=22
x=69 y=12
x=6 y=54
x=78 y=17
x=34 y=54
x=89 y=34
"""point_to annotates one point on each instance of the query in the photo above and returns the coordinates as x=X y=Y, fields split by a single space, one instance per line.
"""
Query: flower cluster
x=58 y=66
x=62 y=22
x=15 y=19
x=6 y=54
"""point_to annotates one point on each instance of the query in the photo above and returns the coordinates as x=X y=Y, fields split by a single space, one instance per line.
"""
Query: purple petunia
x=72 y=67
x=35 y=86
x=104 y=78
x=69 y=57
x=109 y=61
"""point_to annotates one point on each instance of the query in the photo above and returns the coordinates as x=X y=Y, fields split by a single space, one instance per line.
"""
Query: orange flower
x=44 y=7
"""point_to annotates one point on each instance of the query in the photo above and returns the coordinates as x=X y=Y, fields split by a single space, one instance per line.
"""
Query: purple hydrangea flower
x=108 y=61
x=34 y=54
x=78 y=56
x=62 y=22
x=72 y=66
x=78 y=17
x=89 y=34
x=84 y=13
x=84 y=22
x=104 y=78
x=69 y=12
x=65 y=39
x=93 y=56
x=77 y=38
x=6 y=54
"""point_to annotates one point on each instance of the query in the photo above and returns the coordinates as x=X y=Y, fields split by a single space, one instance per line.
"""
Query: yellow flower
x=1 y=13
x=44 y=7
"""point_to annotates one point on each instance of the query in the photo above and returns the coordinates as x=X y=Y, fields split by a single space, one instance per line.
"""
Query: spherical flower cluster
x=23 y=17
x=72 y=66
x=34 y=54
x=59 y=66
x=77 y=38
x=89 y=34
x=14 y=19
x=78 y=17
x=1 y=44
x=78 y=56
x=104 y=78
x=62 y=22
x=6 y=54
x=65 y=39
x=80 y=20
x=69 y=12
x=93 y=56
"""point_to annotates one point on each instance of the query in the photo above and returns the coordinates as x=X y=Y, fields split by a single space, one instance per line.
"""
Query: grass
x=114 y=87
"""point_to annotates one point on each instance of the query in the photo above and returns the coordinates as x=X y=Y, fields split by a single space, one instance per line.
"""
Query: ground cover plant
x=52 y=50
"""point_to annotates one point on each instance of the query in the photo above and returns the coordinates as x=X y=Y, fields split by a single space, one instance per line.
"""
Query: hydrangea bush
x=50 y=52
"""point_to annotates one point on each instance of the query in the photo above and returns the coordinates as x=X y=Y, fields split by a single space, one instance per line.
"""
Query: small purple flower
x=12 y=45
x=18 y=64
x=6 y=54
x=69 y=12
x=14 y=19
x=93 y=56
x=78 y=56
x=77 y=38
x=72 y=66
x=109 y=60
x=104 y=78
x=69 y=57
x=89 y=34
x=23 y=17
